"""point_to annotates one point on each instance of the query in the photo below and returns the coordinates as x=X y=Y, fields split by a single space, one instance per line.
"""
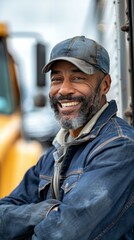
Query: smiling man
x=83 y=188
x=76 y=96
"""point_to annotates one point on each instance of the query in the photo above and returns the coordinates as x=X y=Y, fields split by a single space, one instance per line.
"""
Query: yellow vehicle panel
x=9 y=131
x=16 y=154
x=21 y=156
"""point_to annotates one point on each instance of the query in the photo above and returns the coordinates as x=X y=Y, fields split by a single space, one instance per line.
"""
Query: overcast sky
x=55 y=20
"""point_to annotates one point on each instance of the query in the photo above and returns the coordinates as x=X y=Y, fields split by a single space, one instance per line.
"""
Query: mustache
x=67 y=97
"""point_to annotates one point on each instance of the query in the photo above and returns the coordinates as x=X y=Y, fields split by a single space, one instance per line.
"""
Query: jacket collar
x=110 y=111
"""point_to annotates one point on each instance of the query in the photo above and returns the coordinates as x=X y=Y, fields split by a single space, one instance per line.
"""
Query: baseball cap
x=86 y=54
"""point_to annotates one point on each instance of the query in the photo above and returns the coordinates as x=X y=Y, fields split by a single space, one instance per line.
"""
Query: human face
x=74 y=95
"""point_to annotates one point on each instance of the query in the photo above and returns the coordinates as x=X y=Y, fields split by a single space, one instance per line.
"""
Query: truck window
x=6 y=95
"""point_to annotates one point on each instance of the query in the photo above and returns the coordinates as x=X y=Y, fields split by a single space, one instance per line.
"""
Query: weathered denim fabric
x=96 y=190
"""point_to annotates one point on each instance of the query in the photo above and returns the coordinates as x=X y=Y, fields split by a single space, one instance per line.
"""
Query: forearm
x=19 y=221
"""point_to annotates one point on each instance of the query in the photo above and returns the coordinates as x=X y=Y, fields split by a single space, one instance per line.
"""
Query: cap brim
x=82 y=65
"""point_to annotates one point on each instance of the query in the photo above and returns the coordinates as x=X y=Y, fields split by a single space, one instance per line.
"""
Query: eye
x=56 y=80
x=78 y=78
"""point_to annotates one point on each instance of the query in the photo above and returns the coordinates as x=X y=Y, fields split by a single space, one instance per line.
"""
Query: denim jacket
x=96 y=188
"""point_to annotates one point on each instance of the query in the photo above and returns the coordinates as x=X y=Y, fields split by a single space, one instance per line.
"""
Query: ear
x=106 y=83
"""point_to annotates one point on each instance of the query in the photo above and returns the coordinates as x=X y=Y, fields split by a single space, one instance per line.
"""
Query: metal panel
x=131 y=48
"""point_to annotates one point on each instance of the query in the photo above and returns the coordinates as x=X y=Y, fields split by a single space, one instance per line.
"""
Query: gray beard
x=89 y=107
x=74 y=123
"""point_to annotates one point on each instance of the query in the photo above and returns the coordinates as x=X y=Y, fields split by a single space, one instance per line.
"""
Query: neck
x=75 y=132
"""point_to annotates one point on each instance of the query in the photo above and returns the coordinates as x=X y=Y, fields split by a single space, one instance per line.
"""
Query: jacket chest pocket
x=44 y=188
x=70 y=182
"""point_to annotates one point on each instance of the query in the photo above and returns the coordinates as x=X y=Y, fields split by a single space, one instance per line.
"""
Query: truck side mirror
x=41 y=59
x=40 y=100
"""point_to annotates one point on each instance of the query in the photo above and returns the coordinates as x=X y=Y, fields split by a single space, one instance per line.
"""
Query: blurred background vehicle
x=38 y=119
x=27 y=124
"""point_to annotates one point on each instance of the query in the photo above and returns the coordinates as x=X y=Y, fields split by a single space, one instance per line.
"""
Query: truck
x=19 y=149
x=111 y=23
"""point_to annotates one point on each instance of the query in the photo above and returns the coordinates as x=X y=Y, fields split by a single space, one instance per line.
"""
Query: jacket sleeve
x=18 y=222
x=22 y=210
x=97 y=200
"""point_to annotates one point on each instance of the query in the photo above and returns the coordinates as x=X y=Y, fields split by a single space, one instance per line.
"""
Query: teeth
x=69 y=104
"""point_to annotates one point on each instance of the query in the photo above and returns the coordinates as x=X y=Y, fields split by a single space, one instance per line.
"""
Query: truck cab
x=17 y=153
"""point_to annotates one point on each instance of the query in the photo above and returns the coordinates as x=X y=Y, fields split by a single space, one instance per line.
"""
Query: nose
x=66 y=88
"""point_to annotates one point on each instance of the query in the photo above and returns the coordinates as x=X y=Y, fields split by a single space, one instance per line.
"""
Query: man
x=83 y=189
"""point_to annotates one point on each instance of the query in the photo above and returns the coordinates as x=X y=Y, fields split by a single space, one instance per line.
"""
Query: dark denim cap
x=84 y=53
